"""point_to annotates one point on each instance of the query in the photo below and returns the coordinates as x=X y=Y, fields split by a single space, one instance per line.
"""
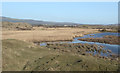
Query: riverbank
x=111 y=47
x=82 y=49
x=20 y=55
x=108 y=39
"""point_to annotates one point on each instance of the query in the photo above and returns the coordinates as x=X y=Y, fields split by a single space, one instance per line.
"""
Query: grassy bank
x=20 y=55
x=17 y=53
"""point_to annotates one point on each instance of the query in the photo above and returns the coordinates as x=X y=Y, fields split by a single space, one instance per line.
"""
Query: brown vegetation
x=109 y=39
x=19 y=55
x=77 y=48
x=46 y=34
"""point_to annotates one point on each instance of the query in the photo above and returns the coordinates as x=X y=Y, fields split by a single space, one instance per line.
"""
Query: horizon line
x=56 y=21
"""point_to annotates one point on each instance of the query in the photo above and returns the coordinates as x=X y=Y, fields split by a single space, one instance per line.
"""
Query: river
x=113 y=48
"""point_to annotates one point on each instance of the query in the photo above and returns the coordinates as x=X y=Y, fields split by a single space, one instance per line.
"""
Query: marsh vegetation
x=21 y=53
x=109 y=39
x=54 y=57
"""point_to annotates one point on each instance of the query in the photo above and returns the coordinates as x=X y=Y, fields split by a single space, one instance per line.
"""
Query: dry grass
x=46 y=34
x=19 y=55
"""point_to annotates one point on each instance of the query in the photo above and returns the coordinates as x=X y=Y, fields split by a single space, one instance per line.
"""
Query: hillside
x=16 y=26
x=35 y=22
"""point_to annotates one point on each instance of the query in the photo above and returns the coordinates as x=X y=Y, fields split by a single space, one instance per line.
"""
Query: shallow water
x=113 y=48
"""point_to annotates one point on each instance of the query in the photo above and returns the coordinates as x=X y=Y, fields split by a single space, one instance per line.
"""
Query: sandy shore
x=40 y=34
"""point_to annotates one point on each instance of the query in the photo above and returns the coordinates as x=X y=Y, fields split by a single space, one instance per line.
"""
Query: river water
x=113 y=48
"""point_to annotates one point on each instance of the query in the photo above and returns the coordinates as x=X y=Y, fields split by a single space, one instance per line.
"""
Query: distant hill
x=35 y=22
x=16 y=26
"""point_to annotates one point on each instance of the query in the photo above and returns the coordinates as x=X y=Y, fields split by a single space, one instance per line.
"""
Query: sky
x=77 y=12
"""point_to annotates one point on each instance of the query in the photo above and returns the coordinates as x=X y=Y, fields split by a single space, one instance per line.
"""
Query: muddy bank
x=108 y=39
x=83 y=49
x=57 y=41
